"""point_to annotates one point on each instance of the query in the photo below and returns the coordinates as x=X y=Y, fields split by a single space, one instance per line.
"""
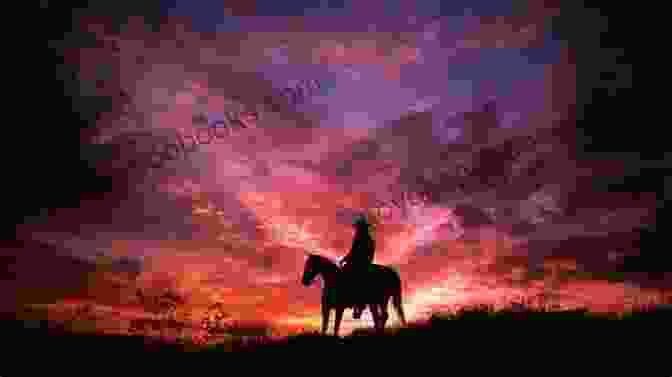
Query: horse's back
x=387 y=269
x=382 y=277
x=390 y=273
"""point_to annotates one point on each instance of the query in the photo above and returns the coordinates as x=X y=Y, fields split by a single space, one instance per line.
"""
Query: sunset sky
x=402 y=106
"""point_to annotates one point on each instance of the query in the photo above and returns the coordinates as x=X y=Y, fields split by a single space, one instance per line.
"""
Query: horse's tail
x=396 y=301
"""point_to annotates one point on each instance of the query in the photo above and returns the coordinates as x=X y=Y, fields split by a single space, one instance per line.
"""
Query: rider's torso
x=363 y=248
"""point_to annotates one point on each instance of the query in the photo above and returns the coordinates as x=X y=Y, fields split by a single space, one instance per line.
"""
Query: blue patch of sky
x=212 y=15
x=549 y=53
x=500 y=66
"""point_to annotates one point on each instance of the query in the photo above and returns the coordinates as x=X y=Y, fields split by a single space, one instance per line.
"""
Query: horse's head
x=316 y=265
x=310 y=269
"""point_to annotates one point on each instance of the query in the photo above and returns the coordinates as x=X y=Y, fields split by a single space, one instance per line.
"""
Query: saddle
x=356 y=283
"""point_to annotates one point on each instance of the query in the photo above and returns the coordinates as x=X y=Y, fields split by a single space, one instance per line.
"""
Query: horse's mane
x=326 y=261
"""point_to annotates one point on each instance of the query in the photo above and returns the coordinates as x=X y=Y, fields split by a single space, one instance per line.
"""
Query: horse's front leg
x=325 y=317
x=374 y=315
x=383 y=316
x=339 y=316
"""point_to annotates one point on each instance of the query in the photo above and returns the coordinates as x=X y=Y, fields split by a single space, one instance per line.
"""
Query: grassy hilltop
x=477 y=337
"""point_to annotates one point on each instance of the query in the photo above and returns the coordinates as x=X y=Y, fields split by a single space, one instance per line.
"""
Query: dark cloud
x=412 y=143
x=491 y=165
x=132 y=152
x=35 y=272
x=522 y=228
x=344 y=168
x=472 y=216
x=348 y=163
x=127 y=265
x=459 y=168
x=654 y=261
x=641 y=263
x=365 y=150
x=200 y=120
x=306 y=164
x=480 y=124
x=583 y=195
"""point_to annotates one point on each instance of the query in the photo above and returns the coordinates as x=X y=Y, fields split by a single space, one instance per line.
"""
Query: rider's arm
x=353 y=248
x=346 y=259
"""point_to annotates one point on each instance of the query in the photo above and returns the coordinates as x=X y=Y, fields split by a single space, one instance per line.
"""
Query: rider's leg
x=356 y=285
x=361 y=299
x=357 y=312
x=353 y=288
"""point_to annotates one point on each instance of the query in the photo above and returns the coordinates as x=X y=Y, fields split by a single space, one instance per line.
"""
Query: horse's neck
x=329 y=275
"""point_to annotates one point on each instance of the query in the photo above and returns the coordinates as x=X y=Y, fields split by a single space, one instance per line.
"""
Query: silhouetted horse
x=337 y=293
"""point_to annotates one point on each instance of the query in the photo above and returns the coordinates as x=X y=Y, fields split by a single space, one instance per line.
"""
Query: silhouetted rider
x=357 y=262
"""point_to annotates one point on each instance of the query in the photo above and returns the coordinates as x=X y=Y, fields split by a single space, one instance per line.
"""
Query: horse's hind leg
x=396 y=301
x=379 y=318
x=337 y=322
x=325 y=318
x=374 y=314
x=383 y=313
